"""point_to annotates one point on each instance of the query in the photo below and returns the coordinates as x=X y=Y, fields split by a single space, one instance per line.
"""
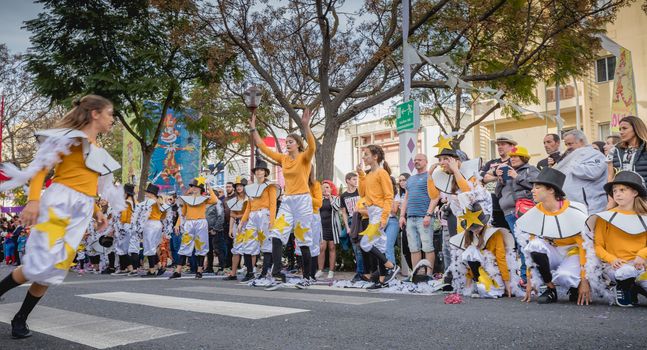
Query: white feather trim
x=114 y=194
x=48 y=155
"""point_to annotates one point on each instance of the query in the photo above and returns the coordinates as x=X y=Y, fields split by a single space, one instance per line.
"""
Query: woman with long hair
x=242 y=245
x=123 y=230
x=620 y=239
x=61 y=215
x=631 y=152
x=377 y=189
x=295 y=212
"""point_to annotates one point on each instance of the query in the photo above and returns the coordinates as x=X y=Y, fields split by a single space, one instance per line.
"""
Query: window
x=565 y=92
x=605 y=68
x=604 y=130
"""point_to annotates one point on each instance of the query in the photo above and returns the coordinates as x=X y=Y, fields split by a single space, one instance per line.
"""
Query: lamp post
x=252 y=97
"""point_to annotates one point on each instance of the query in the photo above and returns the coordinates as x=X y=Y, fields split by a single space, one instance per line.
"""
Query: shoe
x=573 y=294
x=303 y=284
x=119 y=273
x=198 y=275
x=280 y=277
x=160 y=272
x=231 y=278
x=248 y=277
x=108 y=271
x=175 y=275
x=312 y=280
x=448 y=289
x=623 y=297
x=548 y=296
x=209 y=271
x=391 y=273
x=19 y=329
x=331 y=275
x=149 y=274
x=356 y=278
x=375 y=277
x=133 y=273
x=319 y=274
x=377 y=285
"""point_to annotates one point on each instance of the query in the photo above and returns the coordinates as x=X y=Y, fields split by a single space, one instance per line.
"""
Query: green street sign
x=406 y=116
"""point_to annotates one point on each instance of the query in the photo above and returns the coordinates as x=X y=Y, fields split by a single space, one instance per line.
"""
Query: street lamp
x=252 y=97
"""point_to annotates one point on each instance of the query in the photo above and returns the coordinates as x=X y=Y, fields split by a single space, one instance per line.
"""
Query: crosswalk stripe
x=224 y=308
x=94 y=331
x=303 y=296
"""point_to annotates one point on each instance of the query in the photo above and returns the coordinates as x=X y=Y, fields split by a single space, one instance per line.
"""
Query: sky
x=12 y=15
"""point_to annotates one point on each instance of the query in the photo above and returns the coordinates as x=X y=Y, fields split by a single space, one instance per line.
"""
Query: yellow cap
x=519 y=151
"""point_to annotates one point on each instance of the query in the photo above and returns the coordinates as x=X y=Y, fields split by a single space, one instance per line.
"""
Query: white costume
x=295 y=214
x=373 y=236
x=150 y=230
x=195 y=232
x=241 y=243
x=559 y=236
x=64 y=213
x=490 y=283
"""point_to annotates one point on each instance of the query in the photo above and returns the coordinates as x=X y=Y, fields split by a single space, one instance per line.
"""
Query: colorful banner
x=131 y=157
x=176 y=159
x=623 y=96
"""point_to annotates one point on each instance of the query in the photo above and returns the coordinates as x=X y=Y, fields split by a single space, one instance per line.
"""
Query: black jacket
x=639 y=163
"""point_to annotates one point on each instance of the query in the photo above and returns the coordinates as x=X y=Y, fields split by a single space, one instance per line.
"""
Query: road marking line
x=224 y=308
x=97 y=332
x=302 y=296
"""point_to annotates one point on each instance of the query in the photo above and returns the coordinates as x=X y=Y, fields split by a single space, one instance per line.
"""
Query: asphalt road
x=95 y=311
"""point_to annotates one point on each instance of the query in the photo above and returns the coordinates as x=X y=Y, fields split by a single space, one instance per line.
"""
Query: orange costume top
x=612 y=243
x=126 y=214
x=267 y=200
x=376 y=189
x=197 y=212
x=317 y=197
x=71 y=172
x=295 y=171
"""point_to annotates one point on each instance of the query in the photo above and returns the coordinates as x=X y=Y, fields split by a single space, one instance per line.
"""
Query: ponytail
x=386 y=167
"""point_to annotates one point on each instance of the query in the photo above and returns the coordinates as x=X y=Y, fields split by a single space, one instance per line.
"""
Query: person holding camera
x=551 y=145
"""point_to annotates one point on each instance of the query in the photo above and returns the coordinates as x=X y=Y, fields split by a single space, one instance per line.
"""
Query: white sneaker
x=331 y=275
x=319 y=274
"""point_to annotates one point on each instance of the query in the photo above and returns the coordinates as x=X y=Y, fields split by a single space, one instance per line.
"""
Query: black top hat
x=106 y=241
x=153 y=189
x=553 y=178
x=483 y=218
x=261 y=164
x=627 y=178
x=448 y=152
x=194 y=183
x=129 y=189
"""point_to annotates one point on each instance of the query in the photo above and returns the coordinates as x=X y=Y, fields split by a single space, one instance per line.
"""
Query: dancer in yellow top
x=377 y=190
x=620 y=237
x=62 y=214
x=195 y=232
x=295 y=212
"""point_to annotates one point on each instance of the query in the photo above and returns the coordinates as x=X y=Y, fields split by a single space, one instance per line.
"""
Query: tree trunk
x=325 y=157
x=147 y=154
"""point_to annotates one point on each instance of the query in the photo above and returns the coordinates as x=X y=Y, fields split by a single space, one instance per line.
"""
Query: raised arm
x=277 y=157
x=310 y=138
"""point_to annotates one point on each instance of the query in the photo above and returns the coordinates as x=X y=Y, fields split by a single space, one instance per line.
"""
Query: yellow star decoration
x=280 y=224
x=472 y=217
x=67 y=262
x=486 y=280
x=186 y=238
x=54 y=227
x=299 y=232
x=198 y=243
x=240 y=237
x=372 y=231
x=444 y=143
x=249 y=234
x=261 y=236
x=201 y=180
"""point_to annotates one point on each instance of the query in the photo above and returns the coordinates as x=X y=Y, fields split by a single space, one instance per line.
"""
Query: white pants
x=122 y=239
x=488 y=285
x=50 y=250
x=315 y=247
x=295 y=214
x=627 y=271
x=564 y=261
x=195 y=234
x=152 y=237
x=373 y=236
x=255 y=231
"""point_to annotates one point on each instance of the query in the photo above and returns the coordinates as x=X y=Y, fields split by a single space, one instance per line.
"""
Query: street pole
x=408 y=139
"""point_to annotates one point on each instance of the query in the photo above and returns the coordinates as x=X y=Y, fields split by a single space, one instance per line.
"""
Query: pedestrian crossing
x=103 y=332
x=94 y=331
